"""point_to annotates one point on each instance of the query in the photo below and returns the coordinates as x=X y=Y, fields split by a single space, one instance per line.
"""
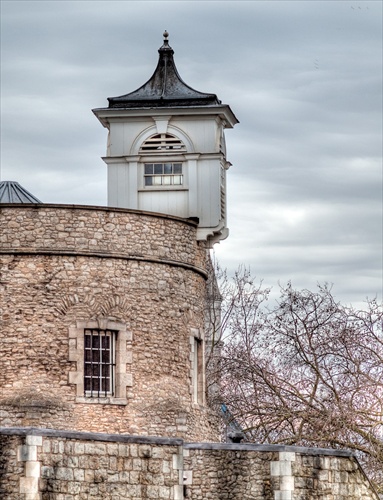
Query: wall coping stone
x=269 y=447
x=128 y=438
x=90 y=436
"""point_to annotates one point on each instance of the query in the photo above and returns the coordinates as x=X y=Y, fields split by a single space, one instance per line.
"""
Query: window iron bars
x=99 y=362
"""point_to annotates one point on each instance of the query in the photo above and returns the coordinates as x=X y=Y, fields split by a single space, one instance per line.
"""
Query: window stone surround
x=124 y=378
x=197 y=366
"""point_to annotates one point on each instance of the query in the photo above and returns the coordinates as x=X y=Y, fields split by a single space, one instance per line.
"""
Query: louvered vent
x=161 y=144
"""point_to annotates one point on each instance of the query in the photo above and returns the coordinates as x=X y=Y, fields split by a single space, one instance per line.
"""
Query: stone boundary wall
x=63 y=465
x=273 y=472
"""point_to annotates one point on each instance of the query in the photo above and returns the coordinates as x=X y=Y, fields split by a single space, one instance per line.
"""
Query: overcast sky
x=304 y=79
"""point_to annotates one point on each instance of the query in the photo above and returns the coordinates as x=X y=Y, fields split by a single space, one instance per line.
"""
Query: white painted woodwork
x=201 y=150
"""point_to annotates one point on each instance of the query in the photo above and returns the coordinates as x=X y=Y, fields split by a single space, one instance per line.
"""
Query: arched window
x=161 y=172
x=162 y=144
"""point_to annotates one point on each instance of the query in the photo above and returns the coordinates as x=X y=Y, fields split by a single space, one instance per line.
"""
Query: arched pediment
x=149 y=141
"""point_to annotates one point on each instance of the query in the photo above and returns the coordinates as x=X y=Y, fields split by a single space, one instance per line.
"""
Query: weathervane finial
x=166 y=34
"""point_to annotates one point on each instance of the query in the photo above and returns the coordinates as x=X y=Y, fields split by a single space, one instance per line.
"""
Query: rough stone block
x=133 y=450
x=177 y=462
x=187 y=477
x=26 y=453
x=323 y=475
x=145 y=452
x=95 y=449
x=123 y=450
x=282 y=468
x=164 y=492
x=158 y=452
x=287 y=455
x=89 y=476
x=29 y=485
x=287 y=483
x=79 y=448
x=178 y=492
x=137 y=464
x=79 y=474
x=32 y=469
x=33 y=496
x=325 y=463
x=64 y=473
x=34 y=440
x=283 y=495
x=112 y=449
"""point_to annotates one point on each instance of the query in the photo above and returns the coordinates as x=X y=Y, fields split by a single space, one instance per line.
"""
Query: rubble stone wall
x=11 y=469
x=62 y=266
x=41 y=464
x=273 y=472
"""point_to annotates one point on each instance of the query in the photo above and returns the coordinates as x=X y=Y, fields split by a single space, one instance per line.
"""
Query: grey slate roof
x=165 y=88
x=12 y=192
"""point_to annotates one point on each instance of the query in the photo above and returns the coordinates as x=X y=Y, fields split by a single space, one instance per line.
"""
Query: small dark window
x=99 y=362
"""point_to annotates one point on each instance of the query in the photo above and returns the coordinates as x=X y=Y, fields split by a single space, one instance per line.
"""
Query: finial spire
x=165 y=45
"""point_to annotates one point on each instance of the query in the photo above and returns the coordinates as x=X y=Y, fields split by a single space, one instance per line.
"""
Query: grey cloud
x=304 y=79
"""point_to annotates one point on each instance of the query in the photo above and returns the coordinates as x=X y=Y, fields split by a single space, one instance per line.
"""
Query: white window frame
x=160 y=178
x=163 y=149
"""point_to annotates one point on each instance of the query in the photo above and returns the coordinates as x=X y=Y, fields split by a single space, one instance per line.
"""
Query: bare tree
x=230 y=302
x=307 y=371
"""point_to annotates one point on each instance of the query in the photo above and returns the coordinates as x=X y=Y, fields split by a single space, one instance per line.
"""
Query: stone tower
x=166 y=149
x=102 y=308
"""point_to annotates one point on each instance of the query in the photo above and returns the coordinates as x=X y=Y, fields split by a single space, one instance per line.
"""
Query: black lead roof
x=165 y=88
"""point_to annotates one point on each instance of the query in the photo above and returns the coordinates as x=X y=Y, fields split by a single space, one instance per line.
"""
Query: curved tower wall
x=65 y=269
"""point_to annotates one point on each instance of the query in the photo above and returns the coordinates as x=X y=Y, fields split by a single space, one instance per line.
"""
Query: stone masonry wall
x=43 y=464
x=62 y=266
x=65 y=467
x=228 y=474
x=272 y=472
x=101 y=231
x=11 y=469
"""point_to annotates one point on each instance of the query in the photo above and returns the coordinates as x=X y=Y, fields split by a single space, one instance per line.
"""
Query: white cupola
x=166 y=149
